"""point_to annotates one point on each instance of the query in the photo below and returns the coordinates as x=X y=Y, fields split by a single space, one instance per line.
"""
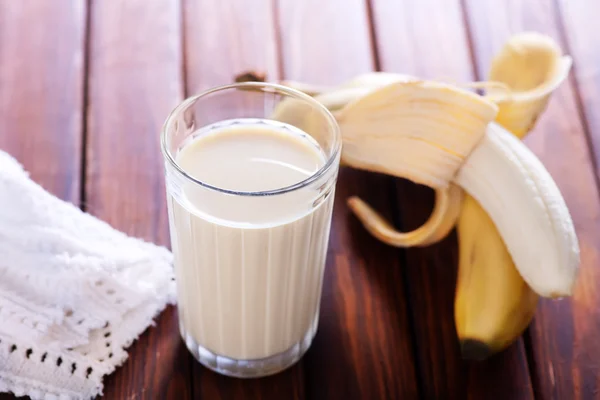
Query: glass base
x=249 y=368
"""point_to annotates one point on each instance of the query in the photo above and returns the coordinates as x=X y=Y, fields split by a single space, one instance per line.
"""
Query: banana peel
x=402 y=126
x=532 y=66
x=493 y=303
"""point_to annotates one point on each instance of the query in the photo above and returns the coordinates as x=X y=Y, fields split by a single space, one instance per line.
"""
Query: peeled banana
x=493 y=303
x=508 y=180
x=438 y=134
x=516 y=236
x=435 y=134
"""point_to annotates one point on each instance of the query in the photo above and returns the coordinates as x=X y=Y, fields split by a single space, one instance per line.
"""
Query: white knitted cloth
x=74 y=292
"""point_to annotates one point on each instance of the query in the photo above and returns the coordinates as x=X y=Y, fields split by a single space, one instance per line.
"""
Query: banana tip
x=475 y=350
x=352 y=201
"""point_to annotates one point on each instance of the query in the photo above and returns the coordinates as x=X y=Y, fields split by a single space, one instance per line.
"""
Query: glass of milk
x=250 y=175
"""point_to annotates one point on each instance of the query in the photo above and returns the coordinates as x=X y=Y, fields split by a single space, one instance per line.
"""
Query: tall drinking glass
x=250 y=176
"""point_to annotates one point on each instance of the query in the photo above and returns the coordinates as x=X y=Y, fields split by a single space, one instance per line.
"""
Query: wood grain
x=41 y=92
x=578 y=19
x=428 y=39
x=564 y=333
x=222 y=40
x=134 y=81
x=363 y=348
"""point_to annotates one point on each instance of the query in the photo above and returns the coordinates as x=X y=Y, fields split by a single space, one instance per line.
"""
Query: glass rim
x=337 y=140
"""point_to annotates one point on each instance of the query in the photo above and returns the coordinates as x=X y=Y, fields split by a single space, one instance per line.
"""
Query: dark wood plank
x=134 y=81
x=41 y=91
x=579 y=20
x=564 y=334
x=363 y=348
x=428 y=39
x=223 y=39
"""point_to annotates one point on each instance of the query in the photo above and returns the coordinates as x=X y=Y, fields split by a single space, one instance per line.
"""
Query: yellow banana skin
x=493 y=304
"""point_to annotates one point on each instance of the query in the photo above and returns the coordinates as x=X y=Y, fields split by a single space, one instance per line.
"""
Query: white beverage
x=249 y=268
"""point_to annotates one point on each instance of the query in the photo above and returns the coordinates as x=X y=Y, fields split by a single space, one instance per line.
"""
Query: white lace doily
x=74 y=292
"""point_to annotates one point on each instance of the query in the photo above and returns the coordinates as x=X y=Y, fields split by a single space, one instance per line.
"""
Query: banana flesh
x=507 y=179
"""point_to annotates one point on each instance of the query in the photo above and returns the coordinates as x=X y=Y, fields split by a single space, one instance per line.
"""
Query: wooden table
x=85 y=87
